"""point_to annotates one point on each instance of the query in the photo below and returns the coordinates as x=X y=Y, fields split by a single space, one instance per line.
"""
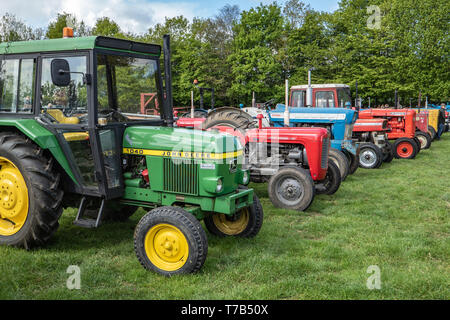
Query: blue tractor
x=339 y=122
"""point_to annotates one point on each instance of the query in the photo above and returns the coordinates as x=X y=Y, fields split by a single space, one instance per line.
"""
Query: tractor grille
x=180 y=177
x=325 y=150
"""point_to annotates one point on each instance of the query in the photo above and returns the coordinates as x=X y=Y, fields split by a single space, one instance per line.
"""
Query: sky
x=131 y=15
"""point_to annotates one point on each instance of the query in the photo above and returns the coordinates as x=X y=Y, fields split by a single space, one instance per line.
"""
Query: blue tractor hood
x=317 y=115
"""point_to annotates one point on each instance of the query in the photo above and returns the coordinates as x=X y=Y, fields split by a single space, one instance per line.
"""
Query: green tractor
x=70 y=137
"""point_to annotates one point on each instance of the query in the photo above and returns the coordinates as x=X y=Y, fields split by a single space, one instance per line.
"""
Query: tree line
x=382 y=46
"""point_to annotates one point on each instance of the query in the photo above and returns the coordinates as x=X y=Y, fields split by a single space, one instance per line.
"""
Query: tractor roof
x=321 y=86
x=80 y=43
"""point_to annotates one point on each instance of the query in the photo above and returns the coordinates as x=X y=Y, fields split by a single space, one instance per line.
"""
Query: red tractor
x=294 y=161
x=401 y=124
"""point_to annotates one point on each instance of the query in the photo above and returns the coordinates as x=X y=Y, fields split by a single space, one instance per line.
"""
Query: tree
x=55 y=28
x=13 y=29
x=106 y=27
x=255 y=60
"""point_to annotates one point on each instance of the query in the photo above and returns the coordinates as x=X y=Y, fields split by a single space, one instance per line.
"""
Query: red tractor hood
x=367 y=125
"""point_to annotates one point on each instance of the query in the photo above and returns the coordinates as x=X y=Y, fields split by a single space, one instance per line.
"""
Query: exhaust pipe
x=168 y=101
x=286 y=105
x=309 y=90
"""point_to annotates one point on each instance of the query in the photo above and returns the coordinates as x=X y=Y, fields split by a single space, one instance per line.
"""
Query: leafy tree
x=13 y=29
x=55 y=28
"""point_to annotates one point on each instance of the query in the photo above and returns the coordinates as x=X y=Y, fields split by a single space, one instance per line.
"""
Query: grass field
x=396 y=217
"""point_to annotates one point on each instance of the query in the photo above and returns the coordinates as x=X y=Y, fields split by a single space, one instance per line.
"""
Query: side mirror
x=60 y=70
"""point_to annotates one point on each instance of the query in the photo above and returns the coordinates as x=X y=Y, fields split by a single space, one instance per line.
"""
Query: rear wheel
x=405 y=148
x=432 y=133
x=424 y=139
x=331 y=182
x=353 y=159
x=341 y=162
x=291 y=188
x=370 y=156
x=246 y=223
x=30 y=198
x=388 y=156
x=170 y=240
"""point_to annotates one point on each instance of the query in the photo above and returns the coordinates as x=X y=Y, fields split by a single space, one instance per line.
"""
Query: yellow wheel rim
x=166 y=247
x=230 y=226
x=13 y=198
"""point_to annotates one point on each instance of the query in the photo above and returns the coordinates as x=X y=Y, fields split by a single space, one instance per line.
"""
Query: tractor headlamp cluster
x=213 y=184
x=245 y=177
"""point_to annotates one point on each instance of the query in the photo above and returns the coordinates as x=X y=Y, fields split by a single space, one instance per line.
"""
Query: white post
x=253 y=100
x=286 y=105
x=192 y=104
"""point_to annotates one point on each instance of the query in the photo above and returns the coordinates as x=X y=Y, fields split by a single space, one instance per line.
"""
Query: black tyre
x=424 y=139
x=246 y=223
x=432 y=133
x=341 y=162
x=388 y=155
x=405 y=148
x=170 y=240
x=291 y=188
x=417 y=141
x=370 y=156
x=30 y=197
x=230 y=117
x=331 y=182
x=353 y=160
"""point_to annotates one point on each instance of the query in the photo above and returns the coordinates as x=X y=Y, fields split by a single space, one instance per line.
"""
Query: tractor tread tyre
x=301 y=175
x=184 y=221
x=375 y=151
x=426 y=143
x=432 y=132
x=388 y=156
x=256 y=217
x=332 y=181
x=230 y=116
x=44 y=195
x=341 y=162
x=409 y=141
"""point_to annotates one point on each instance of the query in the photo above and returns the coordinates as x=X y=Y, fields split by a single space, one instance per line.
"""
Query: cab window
x=325 y=99
x=65 y=105
x=298 y=99
x=17 y=85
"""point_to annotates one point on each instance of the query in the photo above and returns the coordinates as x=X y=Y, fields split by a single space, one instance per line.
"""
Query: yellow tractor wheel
x=30 y=201
x=170 y=240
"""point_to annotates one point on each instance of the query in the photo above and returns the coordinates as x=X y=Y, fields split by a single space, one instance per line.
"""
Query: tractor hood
x=322 y=115
x=179 y=140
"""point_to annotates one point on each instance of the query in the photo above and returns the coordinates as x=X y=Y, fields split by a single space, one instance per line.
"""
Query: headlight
x=219 y=185
x=245 y=177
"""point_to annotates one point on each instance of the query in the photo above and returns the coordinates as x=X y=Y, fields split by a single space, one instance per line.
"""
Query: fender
x=42 y=137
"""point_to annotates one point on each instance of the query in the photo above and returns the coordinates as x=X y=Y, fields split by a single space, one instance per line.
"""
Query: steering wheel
x=112 y=115
x=266 y=105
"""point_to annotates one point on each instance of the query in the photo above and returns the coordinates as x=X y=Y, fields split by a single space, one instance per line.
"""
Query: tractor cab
x=323 y=96
x=87 y=96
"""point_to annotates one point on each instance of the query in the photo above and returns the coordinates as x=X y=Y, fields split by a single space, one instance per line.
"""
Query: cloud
x=131 y=15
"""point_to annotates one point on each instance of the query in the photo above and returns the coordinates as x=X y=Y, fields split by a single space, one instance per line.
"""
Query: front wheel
x=170 y=240
x=405 y=148
x=291 y=188
x=341 y=162
x=424 y=139
x=245 y=224
x=331 y=182
x=370 y=156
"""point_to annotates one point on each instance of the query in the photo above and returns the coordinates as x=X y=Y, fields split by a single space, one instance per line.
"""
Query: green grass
x=396 y=217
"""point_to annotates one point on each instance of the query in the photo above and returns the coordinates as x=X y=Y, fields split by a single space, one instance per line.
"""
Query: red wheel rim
x=405 y=149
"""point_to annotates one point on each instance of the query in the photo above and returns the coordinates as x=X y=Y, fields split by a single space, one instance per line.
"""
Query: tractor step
x=83 y=222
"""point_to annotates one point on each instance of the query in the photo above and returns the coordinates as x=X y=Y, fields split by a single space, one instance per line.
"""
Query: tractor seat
x=61 y=118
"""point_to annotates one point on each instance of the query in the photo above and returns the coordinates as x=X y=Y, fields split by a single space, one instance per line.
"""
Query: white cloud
x=131 y=15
